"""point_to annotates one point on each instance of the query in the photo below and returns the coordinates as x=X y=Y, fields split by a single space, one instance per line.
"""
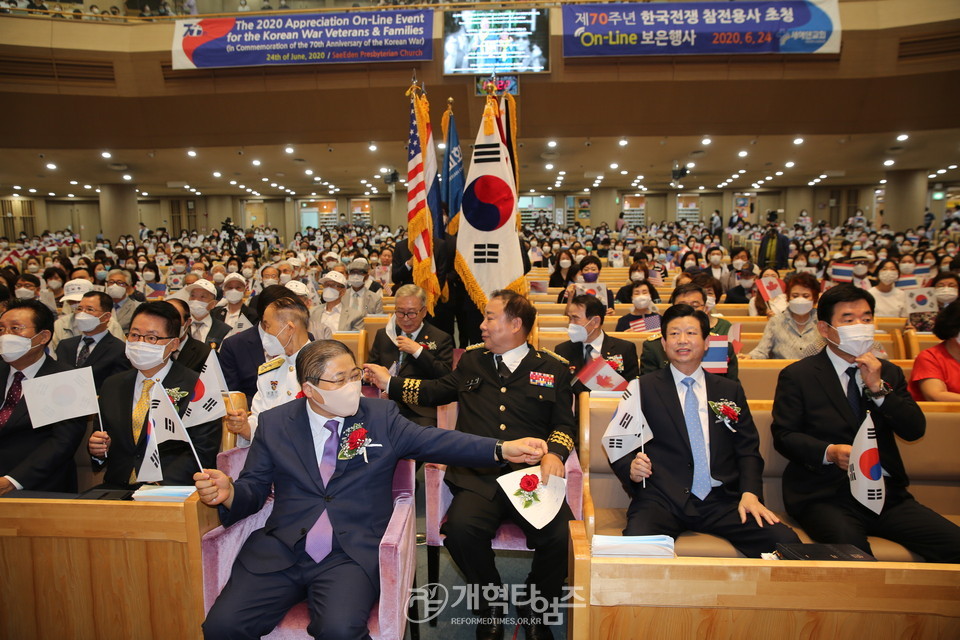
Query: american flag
x=647 y=323
x=422 y=192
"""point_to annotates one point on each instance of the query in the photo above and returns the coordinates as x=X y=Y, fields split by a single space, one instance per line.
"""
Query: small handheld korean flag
x=150 y=467
x=628 y=429
x=73 y=392
x=166 y=422
x=206 y=403
x=864 y=471
x=920 y=300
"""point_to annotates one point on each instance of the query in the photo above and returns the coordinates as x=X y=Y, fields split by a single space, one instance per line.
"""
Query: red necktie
x=13 y=397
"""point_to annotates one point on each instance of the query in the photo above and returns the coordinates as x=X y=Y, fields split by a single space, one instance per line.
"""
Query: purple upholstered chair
x=398 y=557
x=438 y=497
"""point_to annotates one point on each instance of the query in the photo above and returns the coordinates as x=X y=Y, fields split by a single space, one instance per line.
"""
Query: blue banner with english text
x=701 y=28
x=319 y=38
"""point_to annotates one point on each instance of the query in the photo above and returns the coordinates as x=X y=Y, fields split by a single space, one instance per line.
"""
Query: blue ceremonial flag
x=452 y=183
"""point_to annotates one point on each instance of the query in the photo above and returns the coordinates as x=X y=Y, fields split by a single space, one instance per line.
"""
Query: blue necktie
x=691 y=415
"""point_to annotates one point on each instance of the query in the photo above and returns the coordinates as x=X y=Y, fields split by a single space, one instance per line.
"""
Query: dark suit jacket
x=193 y=354
x=242 y=249
x=622 y=354
x=399 y=272
x=783 y=251
x=219 y=313
x=434 y=362
x=505 y=409
x=39 y=459
x=107 y=358
x=735 y=459
x=176 y=459
x=810 y=411
x=359 y=498
x=218 y=331
x=240 y=357
x=738 y=295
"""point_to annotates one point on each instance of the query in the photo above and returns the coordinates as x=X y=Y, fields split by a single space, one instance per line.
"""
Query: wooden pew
x=356 y=341
x=917 y=342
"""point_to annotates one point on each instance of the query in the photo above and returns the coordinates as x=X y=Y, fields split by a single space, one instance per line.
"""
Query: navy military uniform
x=534 y=400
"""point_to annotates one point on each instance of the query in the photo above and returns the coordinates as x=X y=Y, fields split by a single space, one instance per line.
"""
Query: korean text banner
x=318 y=38
x=701 y=28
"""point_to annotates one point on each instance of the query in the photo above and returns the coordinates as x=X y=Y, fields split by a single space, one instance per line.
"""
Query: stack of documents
x=154 y=493
x=634 y=546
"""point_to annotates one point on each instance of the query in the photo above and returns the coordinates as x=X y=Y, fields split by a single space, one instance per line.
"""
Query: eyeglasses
x=16 y=329
x=409 y=314
x=351 y=376
x=137 y=337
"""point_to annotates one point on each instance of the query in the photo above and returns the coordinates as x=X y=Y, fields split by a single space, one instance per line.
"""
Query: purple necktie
x=13 y=397
x=320 y=536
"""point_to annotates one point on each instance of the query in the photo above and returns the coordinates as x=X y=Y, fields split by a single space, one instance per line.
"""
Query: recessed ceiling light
x=533 y=190
x=561 y=173
x=941 y=171
x=71 y=182
x=932 y=175
x=144 y=193
x=789 y=165
x=51 y=166
x=549 y=188
x=822 y=176
x=255 y=163
x=700 y=187
x=691 y=165
x=769 y=178
x=308 y=172
x=51 y=194
x=288 y=150
x=742 y=154
x=87 y=186
x=623 y=142
x=742 y=171
x=734 y=176
x=548 y=167
x=903 y=137
x=441 y=145
x=372 y=147
x=888 y=163
x=679 y=186
x=952 y=167
x=639 y=177
x=551 y=143
x=233 y=182
x=242 y=186
x=623 y=172
x=884 y=181
x=32 y=190
x=614 y=165
x=272 y=184
x=798 y=141
x=106 y=154
x=70 y=195
x=216 y=174
x=264 y=179
x=778 y=173
x=363 y=181
x=706 y=141
x=587 y=190
x=127 y=176
x=377 y=176
x=192 y=153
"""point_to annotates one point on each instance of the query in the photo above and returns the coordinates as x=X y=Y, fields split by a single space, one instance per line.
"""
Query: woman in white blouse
x=789 y=335
x=891 y=301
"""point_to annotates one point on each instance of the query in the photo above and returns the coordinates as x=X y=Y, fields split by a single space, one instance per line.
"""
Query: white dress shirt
x=513 y=357
x=331 y=317
x=319 y=432
x=596 y=345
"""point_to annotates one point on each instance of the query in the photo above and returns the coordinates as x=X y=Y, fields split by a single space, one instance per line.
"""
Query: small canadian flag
x=598 y=375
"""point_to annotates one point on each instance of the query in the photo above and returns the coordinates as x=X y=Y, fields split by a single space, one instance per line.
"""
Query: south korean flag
x=628 y=429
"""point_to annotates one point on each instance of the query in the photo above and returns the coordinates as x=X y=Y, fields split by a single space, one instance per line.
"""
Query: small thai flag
x=908 y=282
x=921 y=271
x=715 y=360
x=841 y=272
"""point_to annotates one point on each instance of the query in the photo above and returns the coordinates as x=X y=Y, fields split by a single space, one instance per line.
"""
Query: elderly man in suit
x=820 y=404
x=419 y=349
x=202 y=298
x=703 y=470
x=33 y=459
x=125 y=404
x=359 y=294
x=333 y=313
x=95 y=347
x=119 y=286
x=321 y=540
x=588 y=341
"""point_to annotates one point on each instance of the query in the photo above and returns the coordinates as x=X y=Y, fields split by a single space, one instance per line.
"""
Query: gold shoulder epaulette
x=270 y=365
x=479 y=345
x=558 y=357
x=656 y=336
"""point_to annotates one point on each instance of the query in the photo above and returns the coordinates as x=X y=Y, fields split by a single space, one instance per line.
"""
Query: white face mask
x=944 y=295
x=233 y=296
x=342 y=402
x=14 y=347
x=330 y=294
x=710 y=303
x=800 y=264
x=247 y=272
x=636 y=276
x=855 y=339
x=565 y=263
x=115 y=291
x=54 y=285
x=269 y=282
x=198 y=309
x=232 y=269
x=219 y=277
x=272 y=345
x=800 y=306
x=860 y=270
x=179 y=268
x=149 y=276
x=888 y=277
x=576 y=332
x=715 y=259
x=285 y=278
x=907 y=267
x=642 y=302
x=738 y=264
x=747 y=284
x=355 y=280
x=25 y=294
x=85 y=322
x=145 y=356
